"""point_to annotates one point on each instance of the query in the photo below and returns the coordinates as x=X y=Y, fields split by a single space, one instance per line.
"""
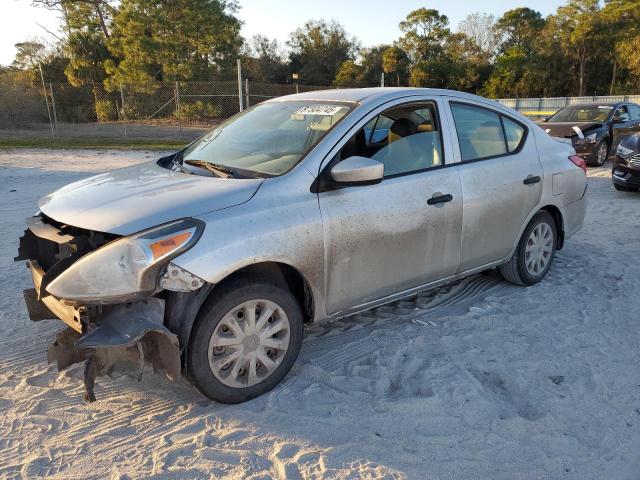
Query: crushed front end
x=108 y=289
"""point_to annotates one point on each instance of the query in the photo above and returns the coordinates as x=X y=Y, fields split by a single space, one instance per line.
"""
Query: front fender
x=282 y=224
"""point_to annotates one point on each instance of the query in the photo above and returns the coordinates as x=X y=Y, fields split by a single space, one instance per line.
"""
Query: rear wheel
x=535 y=251
x=246 y=339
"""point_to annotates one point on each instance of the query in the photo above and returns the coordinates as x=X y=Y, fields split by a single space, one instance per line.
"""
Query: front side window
x=268 y=139
x=483 y=133
x=634 y=111
x=405 y=139
x=621 y=115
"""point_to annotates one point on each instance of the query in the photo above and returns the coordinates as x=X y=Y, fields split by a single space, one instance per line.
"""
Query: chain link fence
x=177 y=110
x=166 y=110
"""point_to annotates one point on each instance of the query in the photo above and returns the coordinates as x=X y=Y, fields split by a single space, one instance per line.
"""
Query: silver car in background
x=307 y=207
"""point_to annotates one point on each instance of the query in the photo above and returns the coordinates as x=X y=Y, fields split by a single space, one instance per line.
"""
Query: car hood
x=632 y=142
x=565 y=129
x=131 y=199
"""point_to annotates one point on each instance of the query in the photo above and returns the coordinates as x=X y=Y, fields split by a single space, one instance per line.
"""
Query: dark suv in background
x=594 y=129
x=626 y=165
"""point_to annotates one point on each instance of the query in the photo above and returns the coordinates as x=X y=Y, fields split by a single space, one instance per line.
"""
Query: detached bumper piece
x=105 y=336
x=127 y=335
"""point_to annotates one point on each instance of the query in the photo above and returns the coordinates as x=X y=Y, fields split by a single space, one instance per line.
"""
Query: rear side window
x=483 y=133
x=634 y=110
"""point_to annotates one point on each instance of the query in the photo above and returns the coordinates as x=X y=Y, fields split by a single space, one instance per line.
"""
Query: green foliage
x=264 y=61
x=395 y=62
x=169 y=40
x=199 y=110
x=584 y=48
x=106 y=111
x=318 y=50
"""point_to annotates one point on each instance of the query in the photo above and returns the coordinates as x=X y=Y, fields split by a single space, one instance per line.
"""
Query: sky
x=371 y=21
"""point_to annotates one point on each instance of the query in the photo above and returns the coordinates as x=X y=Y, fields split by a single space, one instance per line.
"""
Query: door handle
x=531 y=179
x=440 y=199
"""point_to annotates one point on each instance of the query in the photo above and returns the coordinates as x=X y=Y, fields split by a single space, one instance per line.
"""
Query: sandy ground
x=502 y=382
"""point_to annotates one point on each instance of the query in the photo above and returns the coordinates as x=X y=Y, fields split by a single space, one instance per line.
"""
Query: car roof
x=595 y=104
x=366 y=95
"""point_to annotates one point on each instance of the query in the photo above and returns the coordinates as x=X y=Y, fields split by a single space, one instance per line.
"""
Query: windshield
x=268 y=139
x=591 y=113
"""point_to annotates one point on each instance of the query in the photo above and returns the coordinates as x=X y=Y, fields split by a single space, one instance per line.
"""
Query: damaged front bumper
x=105 y=336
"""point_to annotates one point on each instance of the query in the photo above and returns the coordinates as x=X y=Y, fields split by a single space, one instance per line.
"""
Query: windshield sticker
x=605 y=107
x=328 y=110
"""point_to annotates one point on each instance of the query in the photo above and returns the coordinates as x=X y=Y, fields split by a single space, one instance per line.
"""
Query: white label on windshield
x=329 y=110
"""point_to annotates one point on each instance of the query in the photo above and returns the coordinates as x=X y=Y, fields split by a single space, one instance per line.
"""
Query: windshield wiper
x=217 y=170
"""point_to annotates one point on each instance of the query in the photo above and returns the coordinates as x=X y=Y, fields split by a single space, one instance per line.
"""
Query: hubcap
x=537 y=254
x=249 y=343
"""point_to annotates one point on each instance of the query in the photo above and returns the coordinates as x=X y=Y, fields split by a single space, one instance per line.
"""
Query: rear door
x=501 y=178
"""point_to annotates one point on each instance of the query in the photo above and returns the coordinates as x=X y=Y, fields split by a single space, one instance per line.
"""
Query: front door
x=626 y=121
x=501 y=179
x=403 y=232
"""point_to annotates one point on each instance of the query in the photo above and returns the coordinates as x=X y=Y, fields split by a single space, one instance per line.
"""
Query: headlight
x=128 y=267
x=591 y=138
x=624 y=152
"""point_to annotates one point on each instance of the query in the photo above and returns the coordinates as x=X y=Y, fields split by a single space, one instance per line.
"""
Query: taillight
x=579 y=162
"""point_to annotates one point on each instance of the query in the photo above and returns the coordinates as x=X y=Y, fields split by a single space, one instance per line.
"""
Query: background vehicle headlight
x=126 y=268
x=591 y=138
x=624 y=152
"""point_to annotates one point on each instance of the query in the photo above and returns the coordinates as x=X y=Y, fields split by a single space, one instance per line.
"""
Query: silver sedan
x=302 y=208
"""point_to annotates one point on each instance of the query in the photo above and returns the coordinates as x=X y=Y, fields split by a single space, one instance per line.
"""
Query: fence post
x=46 y=100
x=246 y=92
x=53 y=106
x=177 y=97
x=239 y=66
x=382 y=79
x=124 y=115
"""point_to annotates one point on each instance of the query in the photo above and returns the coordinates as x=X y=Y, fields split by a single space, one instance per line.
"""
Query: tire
x=518 y=270
x=220 y=315
x=600 y=155
x=624 y=188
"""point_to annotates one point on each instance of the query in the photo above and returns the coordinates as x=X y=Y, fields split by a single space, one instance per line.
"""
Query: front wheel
x=246 y=338
x=600 y=155
x=535 y=251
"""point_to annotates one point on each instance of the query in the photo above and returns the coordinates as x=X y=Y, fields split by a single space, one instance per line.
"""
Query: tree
x=318 y=50
x=425 y=31
x=263 y=60
x=481 y=29
x=621 y=21
x=163 y=40
x=29 y=55
x=517 y=66
x=519 y=28
x=395 y=62
x=349 y=74
x=575 y=24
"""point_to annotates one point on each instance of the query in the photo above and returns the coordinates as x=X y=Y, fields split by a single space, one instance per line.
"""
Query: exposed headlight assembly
x=591 y=138
x=624 y=152
x=126 y=268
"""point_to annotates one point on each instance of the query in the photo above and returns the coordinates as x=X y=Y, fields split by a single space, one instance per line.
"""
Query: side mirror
x=619 y=120
x=358 y=170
